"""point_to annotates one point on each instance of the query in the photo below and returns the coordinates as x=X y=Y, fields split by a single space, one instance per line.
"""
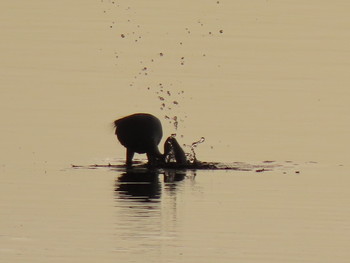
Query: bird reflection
x=145 y=185
x=171 y=176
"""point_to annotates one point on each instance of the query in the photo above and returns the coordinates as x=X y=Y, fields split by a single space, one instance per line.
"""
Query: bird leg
x=129 y=156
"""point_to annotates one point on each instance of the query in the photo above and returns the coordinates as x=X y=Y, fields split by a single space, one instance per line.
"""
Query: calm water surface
x=260 y=80
x=195 y=216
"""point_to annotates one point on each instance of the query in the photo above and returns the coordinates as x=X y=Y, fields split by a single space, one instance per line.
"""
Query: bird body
x=140 y=133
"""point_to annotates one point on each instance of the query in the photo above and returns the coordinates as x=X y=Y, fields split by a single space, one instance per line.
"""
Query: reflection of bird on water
x=141 y=133
x=143 y=186
x=172 y=176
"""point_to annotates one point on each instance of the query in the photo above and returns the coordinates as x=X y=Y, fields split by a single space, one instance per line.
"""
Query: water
x=266 y=85
x=102 y=214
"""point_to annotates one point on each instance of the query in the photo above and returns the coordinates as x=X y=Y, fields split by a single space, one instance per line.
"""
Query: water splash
x=174 y=121
x=191 y=157
x=168 y=147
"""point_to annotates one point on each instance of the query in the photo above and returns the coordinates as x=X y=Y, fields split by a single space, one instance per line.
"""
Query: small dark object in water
x=141 y=133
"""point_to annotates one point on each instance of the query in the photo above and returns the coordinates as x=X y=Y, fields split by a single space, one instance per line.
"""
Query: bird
x=141 y=133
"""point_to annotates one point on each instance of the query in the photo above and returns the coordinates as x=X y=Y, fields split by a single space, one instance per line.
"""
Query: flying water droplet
x=192 y=155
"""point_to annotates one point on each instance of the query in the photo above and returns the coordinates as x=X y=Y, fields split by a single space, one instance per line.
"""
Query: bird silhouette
x=141 y=133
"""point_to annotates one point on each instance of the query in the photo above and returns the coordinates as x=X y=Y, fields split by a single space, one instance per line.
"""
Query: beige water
x=260 y=80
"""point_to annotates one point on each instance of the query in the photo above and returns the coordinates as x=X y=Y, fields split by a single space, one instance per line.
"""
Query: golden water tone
x=266 y=83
